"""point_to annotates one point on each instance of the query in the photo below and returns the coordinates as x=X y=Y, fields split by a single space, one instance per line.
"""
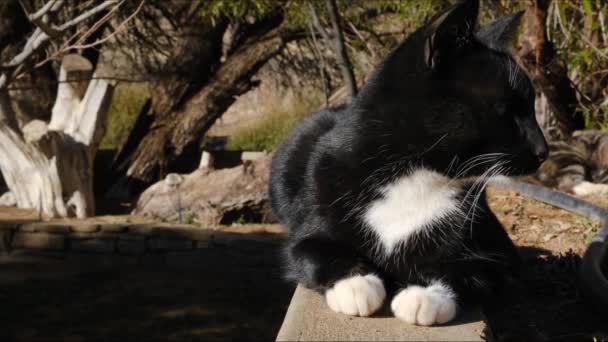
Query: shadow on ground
x=225 y=294
x=547 y=305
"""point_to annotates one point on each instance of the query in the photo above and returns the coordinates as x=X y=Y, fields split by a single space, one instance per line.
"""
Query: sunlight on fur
x=430 y=305
x=357 y=296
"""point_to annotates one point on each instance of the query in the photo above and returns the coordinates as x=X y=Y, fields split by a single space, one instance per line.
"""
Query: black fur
x=441 y=98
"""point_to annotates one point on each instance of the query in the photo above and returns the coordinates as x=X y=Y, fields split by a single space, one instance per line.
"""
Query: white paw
x=357 y=295
x=425 y=305
x=587 y=188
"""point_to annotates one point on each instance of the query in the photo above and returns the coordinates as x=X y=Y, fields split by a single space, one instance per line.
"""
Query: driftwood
x=238 y=194
x=49 y=166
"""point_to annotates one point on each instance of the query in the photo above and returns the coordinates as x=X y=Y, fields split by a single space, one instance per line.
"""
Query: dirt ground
x=546 y=305
x=531 y=223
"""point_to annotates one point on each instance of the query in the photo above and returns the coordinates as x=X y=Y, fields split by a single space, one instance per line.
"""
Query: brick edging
x=108 y=238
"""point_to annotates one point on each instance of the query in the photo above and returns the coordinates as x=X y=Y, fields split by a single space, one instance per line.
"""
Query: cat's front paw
x=430 y=305
x=357 y=295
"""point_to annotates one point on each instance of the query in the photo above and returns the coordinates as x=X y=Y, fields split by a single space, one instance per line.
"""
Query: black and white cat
x=386 y=195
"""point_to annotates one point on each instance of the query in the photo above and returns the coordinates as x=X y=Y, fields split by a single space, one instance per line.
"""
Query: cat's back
x=290 y=162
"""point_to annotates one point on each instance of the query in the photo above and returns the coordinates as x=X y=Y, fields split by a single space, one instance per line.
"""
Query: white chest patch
x=409 y=205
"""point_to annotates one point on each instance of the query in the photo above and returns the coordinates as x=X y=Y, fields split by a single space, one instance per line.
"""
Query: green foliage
x=590 y=229
x=237 y=9
x=240 y=220
x=126 y=104
x=580 y=34
x=416 y=12
x=189 y=218
x=269 y=131
x=295 y=12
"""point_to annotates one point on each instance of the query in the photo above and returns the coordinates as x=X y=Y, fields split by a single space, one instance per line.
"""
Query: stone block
x=142 y=229
x=85 y=228
x=131 y=237
x=131 y=247
x=45 y=227
x=114 y=228
x=160 y=244
x=6 y=236
x=93 y=245
x=38 y=241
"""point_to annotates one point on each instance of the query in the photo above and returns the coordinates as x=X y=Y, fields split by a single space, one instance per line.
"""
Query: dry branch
x=45 y=31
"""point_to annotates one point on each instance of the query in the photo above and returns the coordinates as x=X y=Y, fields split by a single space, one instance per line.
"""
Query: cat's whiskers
x=480 y=185
x=433 y=145
x=476 y=189
x=473 y=190
x=476 y=161
x=451 y=164
x=472 y=163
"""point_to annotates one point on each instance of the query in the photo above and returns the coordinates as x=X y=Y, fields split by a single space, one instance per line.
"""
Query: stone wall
x=116 y=239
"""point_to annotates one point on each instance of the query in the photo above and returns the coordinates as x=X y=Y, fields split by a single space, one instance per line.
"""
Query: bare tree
x=180 y=117
x=48 y=165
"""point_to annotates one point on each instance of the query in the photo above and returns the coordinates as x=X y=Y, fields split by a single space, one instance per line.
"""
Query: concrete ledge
x=309 y=319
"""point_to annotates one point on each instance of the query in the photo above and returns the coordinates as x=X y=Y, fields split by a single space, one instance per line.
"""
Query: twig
x=317 y=22
x=593 y=47
x=86 y=15
x=40 y=18
x=341 y=53
x=365 y=41
x=49 y=7
x=322 y=64
x=67 y=46
x=119 y=29
x=41 y=36
x=33 y=43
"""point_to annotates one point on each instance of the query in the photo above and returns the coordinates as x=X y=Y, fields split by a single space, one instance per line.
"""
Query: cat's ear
x=450 y=31
x=501 y=35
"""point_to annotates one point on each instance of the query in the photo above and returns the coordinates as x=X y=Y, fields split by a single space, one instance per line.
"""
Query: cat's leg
x=438 y=299
x=477 y=273
x=350 y=284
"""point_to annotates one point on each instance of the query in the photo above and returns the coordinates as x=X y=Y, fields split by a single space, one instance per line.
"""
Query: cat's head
x=463 y=95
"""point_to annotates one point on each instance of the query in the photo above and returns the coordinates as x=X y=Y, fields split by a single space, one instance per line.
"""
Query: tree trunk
x=50 y=167
x=345 y=66
x=193 y=56
x=185 y=125
x=547 y=70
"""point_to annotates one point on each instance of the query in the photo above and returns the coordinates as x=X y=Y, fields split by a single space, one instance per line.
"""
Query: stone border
x=111 y=238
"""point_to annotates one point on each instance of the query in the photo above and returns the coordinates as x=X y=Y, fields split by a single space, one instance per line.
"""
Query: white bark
x=8 y=200
x=50 y=167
